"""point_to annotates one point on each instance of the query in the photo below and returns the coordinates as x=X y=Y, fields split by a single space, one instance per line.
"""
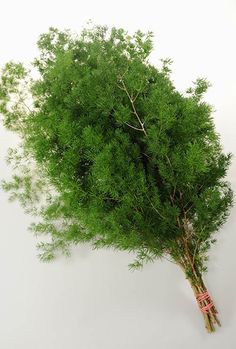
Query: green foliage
x=113 y=154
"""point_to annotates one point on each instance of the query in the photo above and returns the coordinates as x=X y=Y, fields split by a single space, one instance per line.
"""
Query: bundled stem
x=187 y=262
x=200 y=291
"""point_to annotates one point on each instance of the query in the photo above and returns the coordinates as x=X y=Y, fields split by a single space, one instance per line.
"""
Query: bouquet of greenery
x=112 y=154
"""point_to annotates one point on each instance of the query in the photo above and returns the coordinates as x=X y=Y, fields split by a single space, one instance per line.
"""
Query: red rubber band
x=204 y=297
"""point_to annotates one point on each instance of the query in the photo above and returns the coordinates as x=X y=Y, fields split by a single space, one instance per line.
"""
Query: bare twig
x=135 y=128
x=132 y=99
x=195 y=250
x=155 y=209
x=167 y=157
x=138 y=93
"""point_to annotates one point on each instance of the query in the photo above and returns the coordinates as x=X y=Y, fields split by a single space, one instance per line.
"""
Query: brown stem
x=187 y=261
x=198 y=287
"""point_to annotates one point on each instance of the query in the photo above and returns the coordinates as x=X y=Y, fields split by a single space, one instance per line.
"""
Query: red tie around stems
x=202 y=297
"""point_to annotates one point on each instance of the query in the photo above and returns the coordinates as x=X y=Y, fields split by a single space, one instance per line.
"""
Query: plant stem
x=199 y=287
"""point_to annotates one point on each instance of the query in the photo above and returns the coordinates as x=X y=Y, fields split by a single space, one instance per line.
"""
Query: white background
x=92 y=300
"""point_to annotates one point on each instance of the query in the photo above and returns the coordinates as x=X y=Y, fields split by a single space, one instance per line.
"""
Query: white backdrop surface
x=92 y=300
